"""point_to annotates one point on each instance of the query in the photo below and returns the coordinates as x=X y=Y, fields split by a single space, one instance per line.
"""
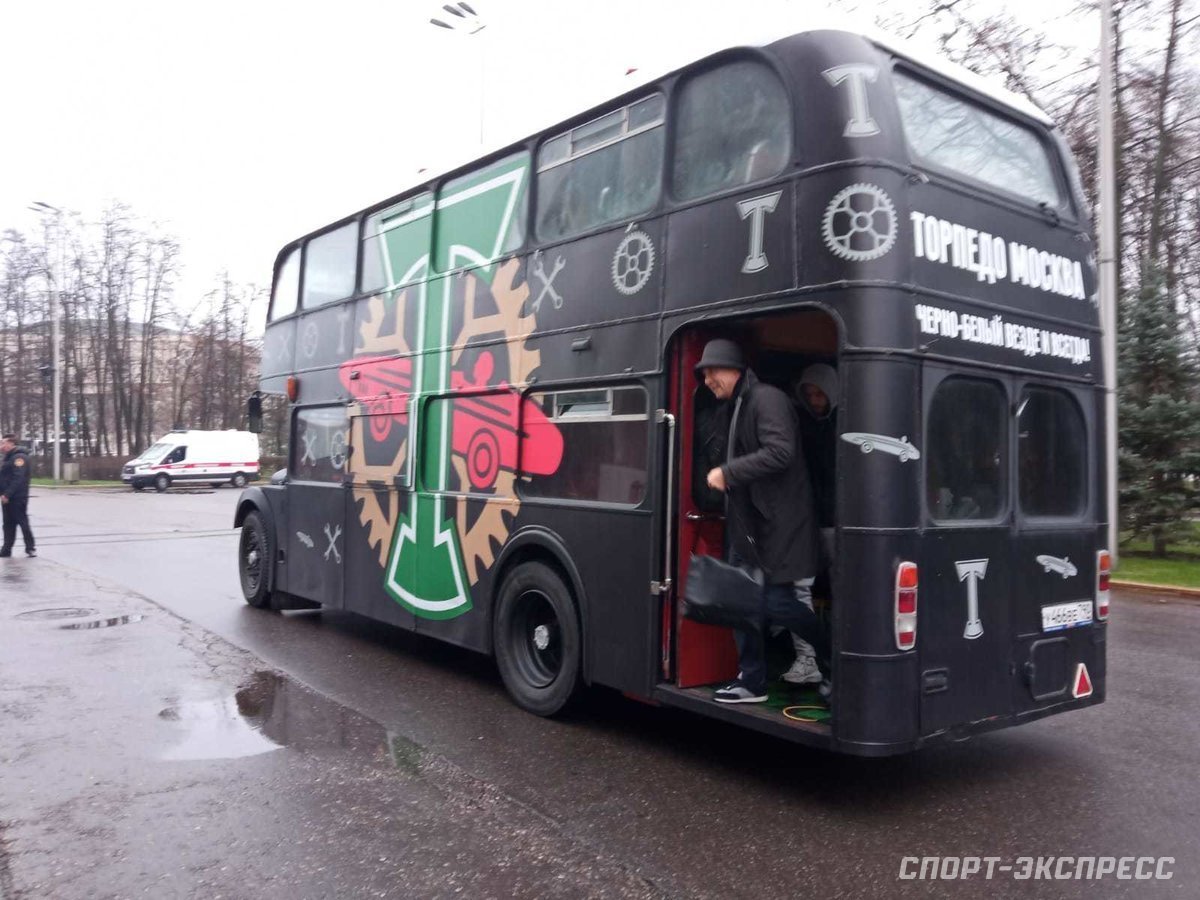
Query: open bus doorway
x=778 y=348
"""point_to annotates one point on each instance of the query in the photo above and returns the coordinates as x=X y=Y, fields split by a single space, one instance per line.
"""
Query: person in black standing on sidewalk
x=14 y=495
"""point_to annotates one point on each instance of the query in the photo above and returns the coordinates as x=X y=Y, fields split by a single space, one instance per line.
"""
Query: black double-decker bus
x=494 y=415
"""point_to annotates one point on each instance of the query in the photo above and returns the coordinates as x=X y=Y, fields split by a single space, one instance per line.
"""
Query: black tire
x=215 y=484
x=162 y=481
x=255 y=552
x=239 y=480
x=138 y=485
x=537 y=639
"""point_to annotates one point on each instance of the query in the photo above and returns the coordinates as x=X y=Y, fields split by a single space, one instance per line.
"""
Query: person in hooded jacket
x=816 y=394
x=770 y=524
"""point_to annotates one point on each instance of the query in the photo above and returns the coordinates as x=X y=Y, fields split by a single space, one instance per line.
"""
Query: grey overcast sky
x=239 y=126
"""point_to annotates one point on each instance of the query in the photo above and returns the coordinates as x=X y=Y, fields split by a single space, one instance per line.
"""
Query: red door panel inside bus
x=703 y=654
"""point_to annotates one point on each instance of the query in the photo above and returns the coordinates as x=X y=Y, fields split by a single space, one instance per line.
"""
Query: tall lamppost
x=464 y=20
x=55 y=292
x=1109 y=283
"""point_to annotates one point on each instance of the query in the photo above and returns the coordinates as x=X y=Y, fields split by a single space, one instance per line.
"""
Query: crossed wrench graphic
x=310 y=447
x=547 y=281
x=333 y=536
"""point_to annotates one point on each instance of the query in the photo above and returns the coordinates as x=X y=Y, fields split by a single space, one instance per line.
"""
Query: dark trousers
x=16 y=512
x=788 y=605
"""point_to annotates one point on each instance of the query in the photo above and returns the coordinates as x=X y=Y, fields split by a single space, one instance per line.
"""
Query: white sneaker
x=803 y=671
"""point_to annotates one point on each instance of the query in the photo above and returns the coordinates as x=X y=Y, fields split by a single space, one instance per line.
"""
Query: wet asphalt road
x=207 y=749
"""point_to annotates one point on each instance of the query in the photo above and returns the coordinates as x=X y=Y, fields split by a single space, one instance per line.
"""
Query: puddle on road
x=105 y=623
x=269 y=712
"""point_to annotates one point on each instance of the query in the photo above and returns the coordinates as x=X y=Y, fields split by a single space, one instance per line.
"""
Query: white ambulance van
x=195 y=457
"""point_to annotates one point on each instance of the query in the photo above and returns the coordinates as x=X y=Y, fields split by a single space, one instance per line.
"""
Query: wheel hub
x=541 y=637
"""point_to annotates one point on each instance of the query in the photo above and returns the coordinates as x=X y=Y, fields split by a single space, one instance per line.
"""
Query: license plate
x=1066 y=615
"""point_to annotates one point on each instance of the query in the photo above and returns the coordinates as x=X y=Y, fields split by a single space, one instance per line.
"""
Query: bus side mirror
x=254 y=414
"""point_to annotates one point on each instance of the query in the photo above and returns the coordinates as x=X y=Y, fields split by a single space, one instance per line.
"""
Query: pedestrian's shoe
x=803 y=671
x=5 y=553
x=737 y=692
x=31 y=553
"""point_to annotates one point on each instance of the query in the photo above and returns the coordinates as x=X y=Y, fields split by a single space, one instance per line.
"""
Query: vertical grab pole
x=663 y=588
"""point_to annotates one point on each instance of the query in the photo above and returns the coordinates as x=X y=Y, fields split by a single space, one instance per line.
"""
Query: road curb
x=1193 y=593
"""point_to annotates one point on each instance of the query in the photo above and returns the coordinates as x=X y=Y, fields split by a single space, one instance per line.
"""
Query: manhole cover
x=73 y=612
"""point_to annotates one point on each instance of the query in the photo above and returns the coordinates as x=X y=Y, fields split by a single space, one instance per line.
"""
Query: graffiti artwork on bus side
x=461 y=337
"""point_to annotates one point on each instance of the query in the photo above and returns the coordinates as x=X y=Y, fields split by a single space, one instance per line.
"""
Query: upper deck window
x=329 y=266
x=951 y=132
x=481 y=216
x=287 y=286
x=733 y=126
x=603 y=171
x=395 y=244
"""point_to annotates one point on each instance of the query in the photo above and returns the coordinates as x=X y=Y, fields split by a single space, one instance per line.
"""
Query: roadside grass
x=1180 y=567
x=1180 y=572
x=50 y=482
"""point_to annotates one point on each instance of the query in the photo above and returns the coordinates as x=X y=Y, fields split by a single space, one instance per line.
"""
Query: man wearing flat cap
x=770 y=524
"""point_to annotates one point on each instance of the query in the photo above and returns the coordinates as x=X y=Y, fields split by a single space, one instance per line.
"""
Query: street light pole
x=1109 y=284
x=55 y=348
x=466 y=21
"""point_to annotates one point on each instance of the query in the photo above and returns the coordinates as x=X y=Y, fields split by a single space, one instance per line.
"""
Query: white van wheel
x=239 y=480
x=162 y=481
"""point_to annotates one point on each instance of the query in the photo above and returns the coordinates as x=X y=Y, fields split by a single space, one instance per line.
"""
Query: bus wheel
x=162 y=481
x=537 y=639
x=239 y=480
x=254 y=556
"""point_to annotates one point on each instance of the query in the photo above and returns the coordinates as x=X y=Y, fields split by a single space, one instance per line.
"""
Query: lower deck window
x=966 y=437
x=1051 y=454
x=605 y=440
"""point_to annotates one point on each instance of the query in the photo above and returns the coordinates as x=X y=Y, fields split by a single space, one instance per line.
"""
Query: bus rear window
x=1051 y=454
x=953 y=133
x=966 y=431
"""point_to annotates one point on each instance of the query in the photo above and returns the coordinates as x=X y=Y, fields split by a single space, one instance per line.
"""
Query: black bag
x=718 y=593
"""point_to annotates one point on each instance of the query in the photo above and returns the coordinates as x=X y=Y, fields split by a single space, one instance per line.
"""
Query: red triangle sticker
x=1083 y=683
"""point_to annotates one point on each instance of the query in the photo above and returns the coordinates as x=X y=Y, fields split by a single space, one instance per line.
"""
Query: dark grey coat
x=772 y=522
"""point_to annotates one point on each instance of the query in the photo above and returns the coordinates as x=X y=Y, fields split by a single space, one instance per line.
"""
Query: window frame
x=301 y=304
x=534 y=231
x=294 y=445
x=648 y=417
x=1065 y=205
x=1084 y=511
x=285 y=257
x=1007 y=462
x=677 y=88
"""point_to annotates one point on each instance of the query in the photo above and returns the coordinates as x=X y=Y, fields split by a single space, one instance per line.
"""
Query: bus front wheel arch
x=537 y=639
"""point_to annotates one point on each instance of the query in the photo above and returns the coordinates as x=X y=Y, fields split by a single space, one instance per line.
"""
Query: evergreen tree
x=1157 y=415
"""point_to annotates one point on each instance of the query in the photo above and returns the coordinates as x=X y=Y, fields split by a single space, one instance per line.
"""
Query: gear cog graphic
x=859 y=223
x=481 y=531
x=633 y=262
x=311 y=338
